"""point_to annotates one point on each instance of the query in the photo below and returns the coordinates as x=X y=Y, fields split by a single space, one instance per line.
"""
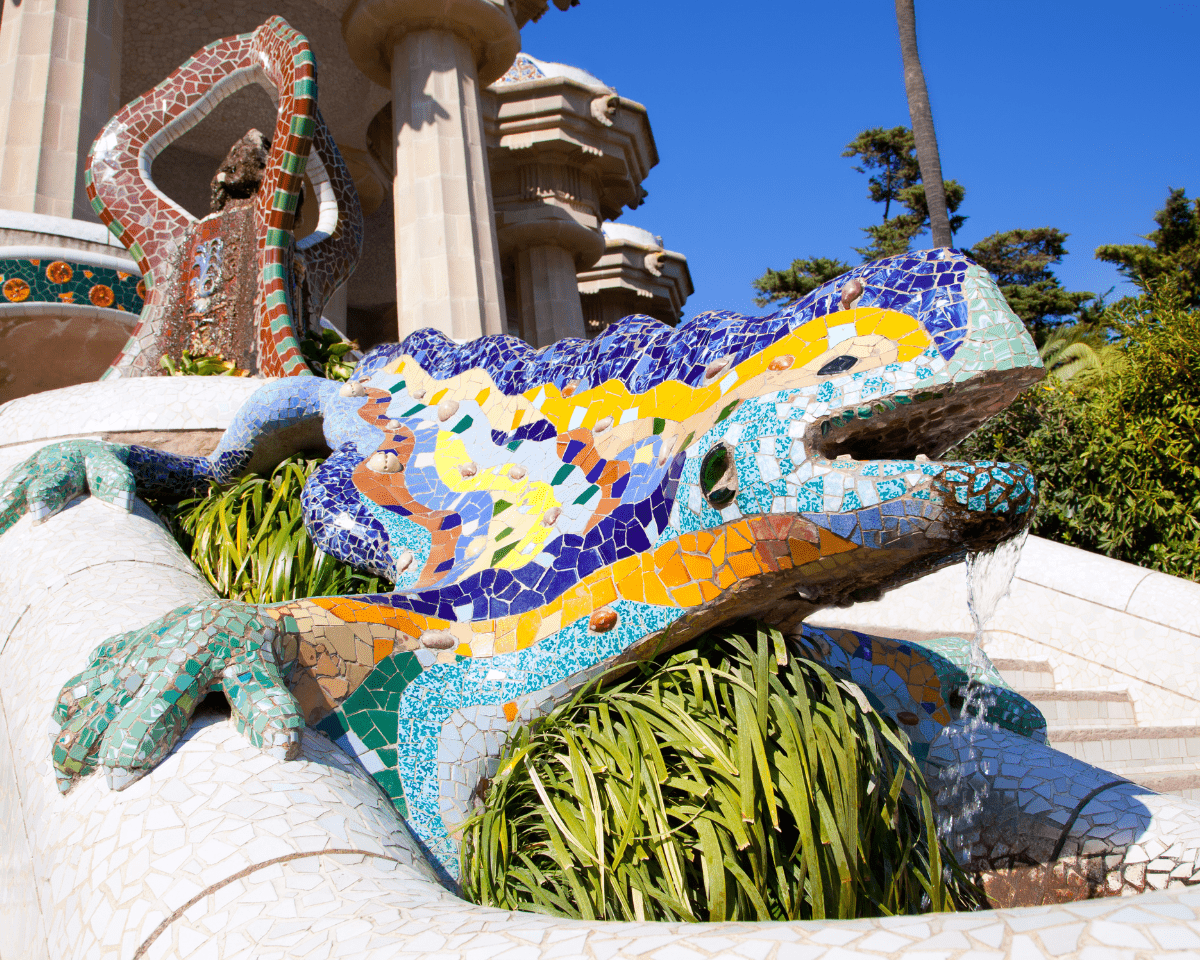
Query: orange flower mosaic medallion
x=59 y=272
x=16 y=290
x=101 y=296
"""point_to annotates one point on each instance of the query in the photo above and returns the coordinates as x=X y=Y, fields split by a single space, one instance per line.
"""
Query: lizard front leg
x=131 y=704
x=281 y=418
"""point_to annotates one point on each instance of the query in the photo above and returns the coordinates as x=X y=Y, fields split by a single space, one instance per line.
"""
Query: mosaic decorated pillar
x=60 y=70
x=434 y=56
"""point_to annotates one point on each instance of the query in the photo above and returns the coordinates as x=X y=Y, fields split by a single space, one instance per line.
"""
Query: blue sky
x=1057 y=112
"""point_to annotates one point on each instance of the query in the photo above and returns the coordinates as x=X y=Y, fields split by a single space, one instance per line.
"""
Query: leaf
x=249 y=541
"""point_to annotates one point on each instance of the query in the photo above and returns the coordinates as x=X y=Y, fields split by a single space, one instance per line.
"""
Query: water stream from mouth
x=964 y=788
x=989 y=578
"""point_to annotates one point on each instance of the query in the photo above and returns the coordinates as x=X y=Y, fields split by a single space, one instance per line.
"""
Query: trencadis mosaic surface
x=236 y=267
x=546 y=514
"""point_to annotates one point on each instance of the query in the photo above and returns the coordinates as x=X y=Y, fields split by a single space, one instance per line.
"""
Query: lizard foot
x=47 y=481
x=131 y=705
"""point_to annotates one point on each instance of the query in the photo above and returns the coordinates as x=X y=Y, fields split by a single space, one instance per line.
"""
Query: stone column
x=447 y=272
x=60 y=69
x=547 y=248
x=434 y=54
x=567 y=154
x=636 y=274
x=547 y=295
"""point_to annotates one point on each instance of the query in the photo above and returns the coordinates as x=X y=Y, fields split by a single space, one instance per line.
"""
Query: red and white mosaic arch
x=152 y=226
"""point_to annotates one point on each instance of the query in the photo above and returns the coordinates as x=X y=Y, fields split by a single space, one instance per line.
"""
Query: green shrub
x=201 y=366
x=249 y=541
x=326 y=352
x=1117 y=453
x=1143 y=497
x=329 y=354
x=728 y=781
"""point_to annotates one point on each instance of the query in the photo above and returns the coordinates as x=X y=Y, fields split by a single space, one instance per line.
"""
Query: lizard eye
x=838 y=365
x=718 y=476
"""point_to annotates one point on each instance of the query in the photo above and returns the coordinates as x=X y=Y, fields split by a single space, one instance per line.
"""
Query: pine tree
x=1173 y=254
x=1020 y=262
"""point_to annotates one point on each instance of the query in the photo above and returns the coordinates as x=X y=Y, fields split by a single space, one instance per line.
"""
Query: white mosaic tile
x=1100 y=624
x=146 y=403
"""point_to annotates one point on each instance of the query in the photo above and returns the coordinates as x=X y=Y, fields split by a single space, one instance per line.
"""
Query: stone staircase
x=1100 y=727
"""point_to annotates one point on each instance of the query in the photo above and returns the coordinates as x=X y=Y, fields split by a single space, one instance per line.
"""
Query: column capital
x=372 y=28
x=541 y=224
x=636 y=274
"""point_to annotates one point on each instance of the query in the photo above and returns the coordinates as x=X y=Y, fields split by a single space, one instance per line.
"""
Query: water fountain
x=962 y=797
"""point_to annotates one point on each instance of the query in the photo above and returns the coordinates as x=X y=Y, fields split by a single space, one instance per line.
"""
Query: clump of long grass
x=730 y=780
x=249 y=541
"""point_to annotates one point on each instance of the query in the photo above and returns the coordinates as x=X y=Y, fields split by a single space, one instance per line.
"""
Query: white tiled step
x=1026 y=675
x=1131 y=750
x=1099 y=727
x=1083 y=708
x=1180 y=779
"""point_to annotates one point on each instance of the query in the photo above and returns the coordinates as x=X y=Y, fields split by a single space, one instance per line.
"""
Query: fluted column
x=434 y=54
x=447 y=272
x=547 y=247
x=60 y=67
x=548 y=295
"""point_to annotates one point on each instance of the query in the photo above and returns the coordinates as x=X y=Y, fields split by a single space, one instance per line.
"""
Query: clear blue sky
x=1050 y=112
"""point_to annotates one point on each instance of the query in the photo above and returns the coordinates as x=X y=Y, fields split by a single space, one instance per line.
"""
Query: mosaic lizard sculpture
x=548 y=514
x=237 y=275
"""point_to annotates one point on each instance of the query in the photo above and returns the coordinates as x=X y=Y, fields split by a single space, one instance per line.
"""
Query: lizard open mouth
x=986 y=502
x=920 y=422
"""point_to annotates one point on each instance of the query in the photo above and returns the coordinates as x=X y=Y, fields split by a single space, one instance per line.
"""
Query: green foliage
x=802 y=277
x=895 y=235
x=893 y=154
x=889 y=156
x=1020 y=259
x=201 y=366
x=1020 y=262
x=1117 y=453
x=329 y=354
x=1078 y=350
x=726 y=781
x=249 y=541
x=1173 y=255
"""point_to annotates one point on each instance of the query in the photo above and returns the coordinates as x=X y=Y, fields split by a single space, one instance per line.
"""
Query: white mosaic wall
x=110 y=406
